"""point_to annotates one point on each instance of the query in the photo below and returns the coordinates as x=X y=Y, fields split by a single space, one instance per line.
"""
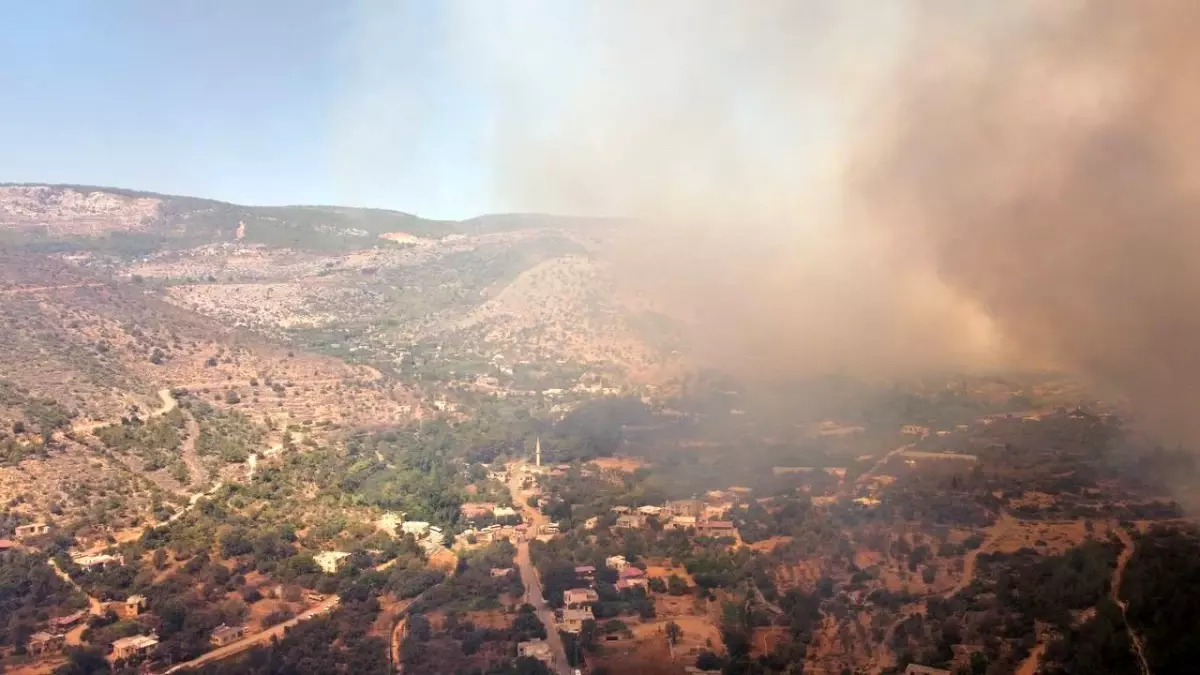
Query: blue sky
x=251 y=102
x=444 y=109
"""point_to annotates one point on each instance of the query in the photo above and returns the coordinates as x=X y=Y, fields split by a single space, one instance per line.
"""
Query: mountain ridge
x=145 y=221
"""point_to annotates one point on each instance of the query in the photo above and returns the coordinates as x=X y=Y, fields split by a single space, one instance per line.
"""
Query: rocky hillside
x=132 y=223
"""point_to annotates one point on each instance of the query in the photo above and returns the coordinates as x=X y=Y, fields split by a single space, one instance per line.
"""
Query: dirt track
x=168 y=404
x=1118 y=573
x=41 y=289
x=996 y=531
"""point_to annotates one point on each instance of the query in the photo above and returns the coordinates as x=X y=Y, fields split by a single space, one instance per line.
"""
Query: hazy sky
x=254 y=102
x=405 y=104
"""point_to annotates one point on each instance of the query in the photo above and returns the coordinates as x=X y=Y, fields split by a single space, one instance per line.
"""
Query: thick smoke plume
x=1045 y=159
x=873 y=186
x=723 y=130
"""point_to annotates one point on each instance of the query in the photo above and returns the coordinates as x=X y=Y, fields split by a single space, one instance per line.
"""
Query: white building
x=416 y=528
x=330 y=561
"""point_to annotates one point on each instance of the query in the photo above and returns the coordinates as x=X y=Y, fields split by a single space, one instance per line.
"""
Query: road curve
x=265 y=636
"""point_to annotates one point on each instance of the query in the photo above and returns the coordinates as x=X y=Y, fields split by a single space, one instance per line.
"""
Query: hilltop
x=133 y=222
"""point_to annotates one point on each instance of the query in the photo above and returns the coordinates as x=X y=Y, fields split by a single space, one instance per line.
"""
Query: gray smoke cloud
x=872 y=187
x=724 y=130
x=1044 y=158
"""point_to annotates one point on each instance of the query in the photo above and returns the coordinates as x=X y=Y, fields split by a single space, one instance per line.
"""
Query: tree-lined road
x=529 y=575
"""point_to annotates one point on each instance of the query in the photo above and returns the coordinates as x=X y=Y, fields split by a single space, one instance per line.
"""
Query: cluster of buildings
x=431 y=539
x=496 y=532
x=703 y=517
x=54 y=637
x=480 y=510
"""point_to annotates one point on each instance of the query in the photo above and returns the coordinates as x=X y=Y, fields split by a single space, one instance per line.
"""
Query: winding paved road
x=529 y=574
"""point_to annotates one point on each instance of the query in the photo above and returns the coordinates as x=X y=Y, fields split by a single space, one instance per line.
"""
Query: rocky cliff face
x=64 y=211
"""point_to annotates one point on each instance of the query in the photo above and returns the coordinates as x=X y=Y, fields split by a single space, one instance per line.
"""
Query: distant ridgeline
x=129 y=222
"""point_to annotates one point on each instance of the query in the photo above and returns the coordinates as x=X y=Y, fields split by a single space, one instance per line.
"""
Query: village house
x=576 y=598
x=330 y=561
x=621 y=509
x=630 y=521
x=716 y=528
x=631 y=577
x=915 y=669
x=501 y=571
x=616 y=562
x=134 y=646
x=717 y=511
x=473 y=510
x=714 y=496
x=537 y=649
x=64 y=622
x=572 y=619
x=586 y=572
x=692 y=508
x=682 y=522
x=89 y=561
x=502 y=512
x=550 y=528
x=650 y=510
x=914 y=430
x=45 y=643
x=32 y=530
x=134 y=605
x=488 y=534
x=223 y=635
x=416 y=528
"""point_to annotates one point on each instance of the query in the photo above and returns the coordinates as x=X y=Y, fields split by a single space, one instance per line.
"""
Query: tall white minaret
x=537 y=452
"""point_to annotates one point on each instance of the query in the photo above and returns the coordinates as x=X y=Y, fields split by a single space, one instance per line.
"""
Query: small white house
x=416 y=528
x=330 y=561
x=616 y=562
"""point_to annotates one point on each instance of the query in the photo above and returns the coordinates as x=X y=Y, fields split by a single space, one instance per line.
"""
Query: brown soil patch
x=491 y=619
x=768 y=545
x=39 y=667
x=698 y=632
x=260 y=609
x=626 y=464
x=1049 y=538
x=665 y=569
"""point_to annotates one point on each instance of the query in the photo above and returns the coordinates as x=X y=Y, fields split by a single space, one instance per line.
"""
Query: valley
x=278 y=439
